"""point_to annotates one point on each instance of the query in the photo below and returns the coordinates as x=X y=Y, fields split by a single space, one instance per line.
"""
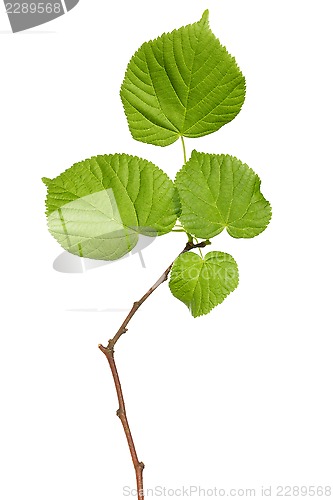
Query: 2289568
x=303 y=491
x=33 y=8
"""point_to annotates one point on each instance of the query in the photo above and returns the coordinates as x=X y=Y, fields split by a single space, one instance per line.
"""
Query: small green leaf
x=219 y=191
x=98 y=207
x=184 y=83
x=202 y=284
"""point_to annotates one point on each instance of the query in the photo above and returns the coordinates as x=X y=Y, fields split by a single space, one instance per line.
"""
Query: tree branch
x=109 y=353
x=121 y=413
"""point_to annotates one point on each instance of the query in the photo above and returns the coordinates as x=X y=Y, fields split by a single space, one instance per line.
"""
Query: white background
x=238 y=399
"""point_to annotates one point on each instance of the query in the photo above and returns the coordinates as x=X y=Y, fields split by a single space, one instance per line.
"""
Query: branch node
x=110 y=347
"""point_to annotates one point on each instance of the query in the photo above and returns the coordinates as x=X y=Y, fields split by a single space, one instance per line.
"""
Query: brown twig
x=109 y=353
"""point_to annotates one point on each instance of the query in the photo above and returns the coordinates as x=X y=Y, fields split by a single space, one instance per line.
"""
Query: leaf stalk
x=184 y=148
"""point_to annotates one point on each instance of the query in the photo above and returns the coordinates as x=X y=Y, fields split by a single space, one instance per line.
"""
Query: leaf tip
x=205 y=17
x=46 y=181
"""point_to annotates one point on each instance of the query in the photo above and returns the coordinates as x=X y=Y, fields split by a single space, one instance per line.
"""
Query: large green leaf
x=184 y=83
x=219 y=191
x=98 y=207
x=202 y=284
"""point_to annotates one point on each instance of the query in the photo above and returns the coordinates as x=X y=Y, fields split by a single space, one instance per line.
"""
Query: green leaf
x=219 y=191
x=202 y=284
x=98 y=207
x=184 y=83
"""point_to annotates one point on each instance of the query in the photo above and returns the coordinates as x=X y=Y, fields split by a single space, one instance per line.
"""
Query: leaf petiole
x=197 y=241
x=189 y=237
x=184 y=149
